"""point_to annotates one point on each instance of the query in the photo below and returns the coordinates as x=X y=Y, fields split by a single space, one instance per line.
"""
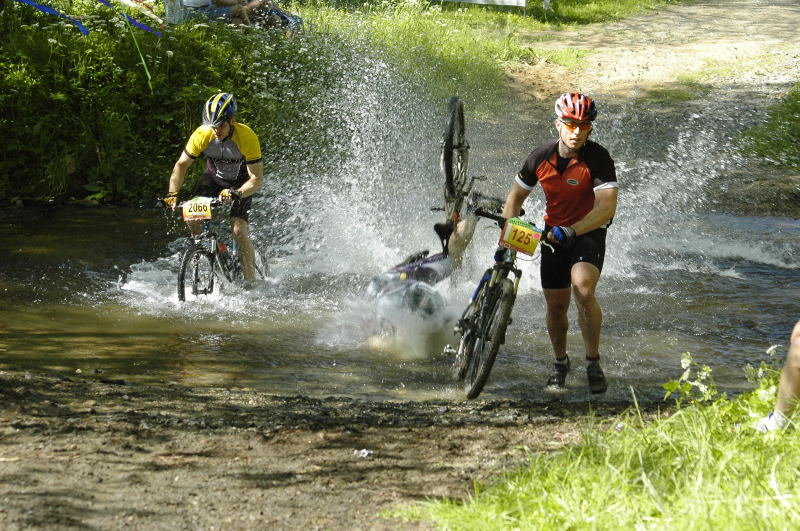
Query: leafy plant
x=694 y=385
x=778 y=138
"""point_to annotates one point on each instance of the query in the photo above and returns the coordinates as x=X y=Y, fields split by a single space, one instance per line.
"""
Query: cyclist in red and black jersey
x=579 y=182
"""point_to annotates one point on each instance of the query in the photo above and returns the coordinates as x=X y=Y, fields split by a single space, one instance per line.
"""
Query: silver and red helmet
x=575 y=106
x=219 y=109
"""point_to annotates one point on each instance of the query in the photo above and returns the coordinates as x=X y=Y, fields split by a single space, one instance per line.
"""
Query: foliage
x=86 y=124
x=701 y=466
x=777 y=140
x=86 y=116
x=701 y=389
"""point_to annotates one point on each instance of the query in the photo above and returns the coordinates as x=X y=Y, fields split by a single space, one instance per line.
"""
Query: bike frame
x=483 y=324
x=223 y=263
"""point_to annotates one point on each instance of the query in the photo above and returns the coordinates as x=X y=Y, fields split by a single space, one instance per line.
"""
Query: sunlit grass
x=777 y=141
x=700 y=466
x=686 y=89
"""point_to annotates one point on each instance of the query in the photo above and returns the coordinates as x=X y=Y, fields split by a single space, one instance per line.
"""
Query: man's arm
x=605 y=206
x=253 y=184
x=179 y=173
x=514 y=201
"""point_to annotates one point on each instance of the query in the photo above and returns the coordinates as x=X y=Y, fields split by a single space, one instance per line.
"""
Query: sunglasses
x=583 y=126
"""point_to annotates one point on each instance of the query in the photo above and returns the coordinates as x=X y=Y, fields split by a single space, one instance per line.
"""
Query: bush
x=88 y=122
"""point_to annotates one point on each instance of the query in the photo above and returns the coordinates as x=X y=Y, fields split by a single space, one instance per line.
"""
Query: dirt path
x=81 y=453
x=78 y=452
x=737 y=42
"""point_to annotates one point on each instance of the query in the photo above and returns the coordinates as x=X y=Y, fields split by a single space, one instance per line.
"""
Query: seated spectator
x=236 y=11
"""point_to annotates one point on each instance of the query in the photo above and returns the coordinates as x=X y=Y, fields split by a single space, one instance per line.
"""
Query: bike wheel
x=490 y=333
x=228 y=266
x=455 y=150
x=196 y=276
x=459 y=368
x=262 y=267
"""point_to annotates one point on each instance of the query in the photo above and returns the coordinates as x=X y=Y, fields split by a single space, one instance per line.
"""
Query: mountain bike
x=454 y=159
x=208 y=261
x=483 y=324
x=409 y=284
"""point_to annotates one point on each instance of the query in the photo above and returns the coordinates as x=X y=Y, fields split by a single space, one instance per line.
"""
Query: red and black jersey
x=569 y=194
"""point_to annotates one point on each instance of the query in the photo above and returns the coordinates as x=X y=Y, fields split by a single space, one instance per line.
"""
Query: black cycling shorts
x=556 y=266
x=207 y=186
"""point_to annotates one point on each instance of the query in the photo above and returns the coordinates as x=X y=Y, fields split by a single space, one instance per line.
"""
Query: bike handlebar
x=215 y=202
x=499 y=219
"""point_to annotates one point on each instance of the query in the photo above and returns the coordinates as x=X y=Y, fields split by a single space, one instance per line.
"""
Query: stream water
x=95 y=289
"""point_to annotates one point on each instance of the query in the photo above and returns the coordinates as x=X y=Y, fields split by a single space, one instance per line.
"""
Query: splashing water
x=678 y=276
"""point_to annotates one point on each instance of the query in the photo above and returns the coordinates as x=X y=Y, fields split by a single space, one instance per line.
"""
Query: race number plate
x=197 y=208
x=520 y=236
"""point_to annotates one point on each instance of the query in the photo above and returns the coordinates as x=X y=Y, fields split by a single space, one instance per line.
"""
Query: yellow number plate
x=197 y=208
x=520 y=236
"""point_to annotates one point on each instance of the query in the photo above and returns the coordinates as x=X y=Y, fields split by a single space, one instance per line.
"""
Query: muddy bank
x=83 y=452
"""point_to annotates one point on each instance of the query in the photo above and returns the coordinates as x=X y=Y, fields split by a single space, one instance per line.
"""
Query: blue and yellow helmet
x=219 y=109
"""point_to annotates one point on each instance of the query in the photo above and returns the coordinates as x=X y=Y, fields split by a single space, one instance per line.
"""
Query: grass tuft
x=700 y=466
x=777 y=140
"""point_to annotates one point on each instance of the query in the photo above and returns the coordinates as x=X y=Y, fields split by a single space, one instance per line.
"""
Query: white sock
x=774 y=421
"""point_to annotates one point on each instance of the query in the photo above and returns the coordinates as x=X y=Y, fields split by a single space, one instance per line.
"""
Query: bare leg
x=460 y=239
x=557 y=321
x=789 y=389
x=590 y=316
x=247 y=253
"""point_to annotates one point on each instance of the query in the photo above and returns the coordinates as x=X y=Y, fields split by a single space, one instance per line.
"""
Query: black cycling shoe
x=559 y=376
x=597 y=380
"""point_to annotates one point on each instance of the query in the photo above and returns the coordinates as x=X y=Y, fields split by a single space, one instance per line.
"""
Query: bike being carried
x=233 y=174
x=579 y=181
x=484 y=322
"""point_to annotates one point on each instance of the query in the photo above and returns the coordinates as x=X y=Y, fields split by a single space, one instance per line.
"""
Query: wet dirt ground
x=81 y=452
x=84 y=452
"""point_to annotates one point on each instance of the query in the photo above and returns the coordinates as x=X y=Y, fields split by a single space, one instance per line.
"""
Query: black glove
x=564 y=236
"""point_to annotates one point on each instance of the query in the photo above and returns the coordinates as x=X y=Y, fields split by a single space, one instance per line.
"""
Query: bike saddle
x=444 y=230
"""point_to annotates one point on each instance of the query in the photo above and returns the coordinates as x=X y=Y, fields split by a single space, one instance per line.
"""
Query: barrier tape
x=51 y=11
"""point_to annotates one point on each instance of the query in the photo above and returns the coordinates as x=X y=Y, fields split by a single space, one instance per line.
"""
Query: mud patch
x=85 y=453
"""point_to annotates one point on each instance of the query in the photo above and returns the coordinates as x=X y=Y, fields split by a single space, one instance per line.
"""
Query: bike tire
x=229 y=266
x=490 y=334
x=262 y=266
x=196 y=275
x=459 y=369
x=455 y=150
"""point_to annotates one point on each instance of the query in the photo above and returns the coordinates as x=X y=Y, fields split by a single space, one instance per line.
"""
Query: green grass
x=687 y=89
x=777 y=141
x=699 y=467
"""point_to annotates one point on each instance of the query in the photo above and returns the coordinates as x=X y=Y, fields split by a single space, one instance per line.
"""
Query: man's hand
x=564 y=236
x=499 y=253
x=228 y=195
x=171 y=200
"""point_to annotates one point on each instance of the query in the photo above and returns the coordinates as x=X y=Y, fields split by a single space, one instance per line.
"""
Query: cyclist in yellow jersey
x=234 y=169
